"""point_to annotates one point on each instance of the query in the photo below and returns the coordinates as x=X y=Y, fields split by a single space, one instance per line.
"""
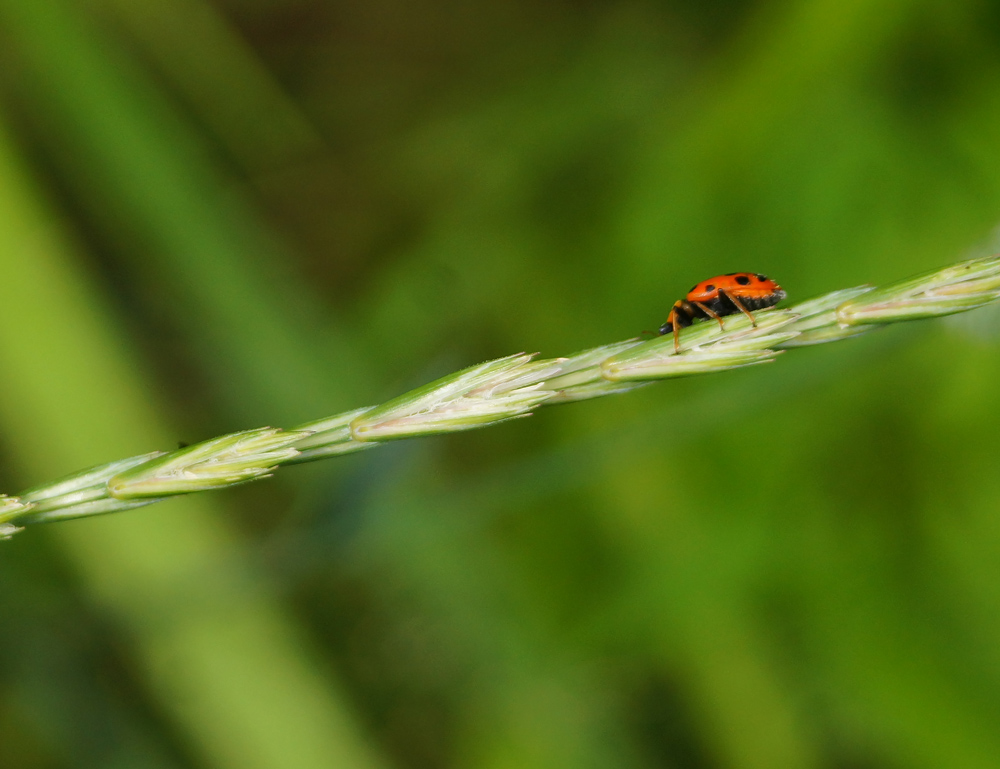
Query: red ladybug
x=723 y=295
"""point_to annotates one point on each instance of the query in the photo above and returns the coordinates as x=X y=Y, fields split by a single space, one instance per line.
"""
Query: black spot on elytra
x=710 y=287
x=742 y=280
x=762 y=278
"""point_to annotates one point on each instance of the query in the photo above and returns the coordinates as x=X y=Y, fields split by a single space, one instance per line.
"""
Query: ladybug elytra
x=720 y=296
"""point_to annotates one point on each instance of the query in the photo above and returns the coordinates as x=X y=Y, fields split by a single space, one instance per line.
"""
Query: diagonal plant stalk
x=503 y=389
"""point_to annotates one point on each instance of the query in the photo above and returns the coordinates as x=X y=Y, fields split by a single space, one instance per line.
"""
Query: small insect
x=720 y=296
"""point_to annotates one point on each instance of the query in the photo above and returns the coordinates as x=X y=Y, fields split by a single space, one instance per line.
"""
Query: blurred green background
x=217 y=215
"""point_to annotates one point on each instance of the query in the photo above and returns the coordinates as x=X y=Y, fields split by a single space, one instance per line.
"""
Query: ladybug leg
x=709 y=312
x=674 y=321
x=739 y=305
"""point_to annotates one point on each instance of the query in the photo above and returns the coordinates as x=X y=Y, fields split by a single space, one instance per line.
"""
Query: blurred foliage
x=216 y=215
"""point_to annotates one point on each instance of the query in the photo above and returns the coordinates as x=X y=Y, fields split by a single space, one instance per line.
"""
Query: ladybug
x=723 y=295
